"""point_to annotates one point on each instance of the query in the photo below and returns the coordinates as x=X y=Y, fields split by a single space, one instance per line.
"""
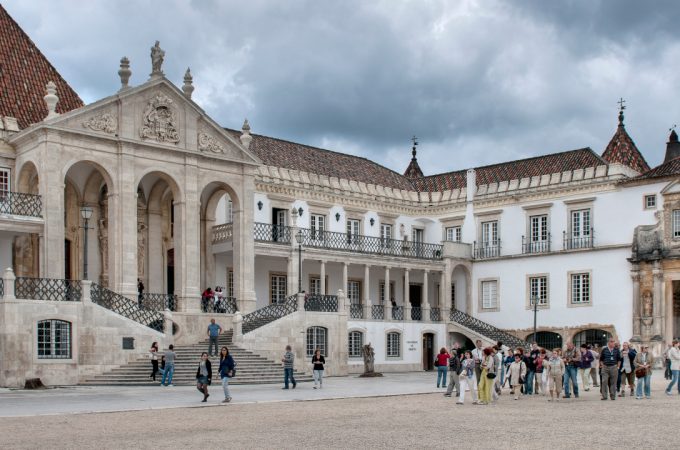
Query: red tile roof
x=667 y=169
x=522 y=168
x=621 y=149
x=280 y=153
x=24 y=72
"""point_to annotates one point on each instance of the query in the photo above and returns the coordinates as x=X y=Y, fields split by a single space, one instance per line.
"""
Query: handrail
x=321 y=303
x=269 y=314
x=51 y=289
x=485 y=329
x=20 y=204
x=222 y=233
x=126 y=307
x=158 y=302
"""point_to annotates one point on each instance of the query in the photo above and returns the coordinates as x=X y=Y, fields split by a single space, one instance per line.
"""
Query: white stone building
x=142 y=187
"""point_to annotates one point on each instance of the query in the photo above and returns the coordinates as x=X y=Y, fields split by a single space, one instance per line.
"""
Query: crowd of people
x=553 y=373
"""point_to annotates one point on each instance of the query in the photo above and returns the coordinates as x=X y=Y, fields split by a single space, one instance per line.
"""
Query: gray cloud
x=478 y=81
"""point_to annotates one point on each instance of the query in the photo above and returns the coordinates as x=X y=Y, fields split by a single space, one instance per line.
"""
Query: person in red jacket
x=442 y=361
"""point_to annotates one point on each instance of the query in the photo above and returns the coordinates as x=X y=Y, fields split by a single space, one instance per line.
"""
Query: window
x=353 y=231
x=354 y=292
x=538 y=290
x=393 y=344
x=316 y=338
x=650 y=201
x=229 y=213
x=381 y=288
x=580 y=223
x=490 y=294
x=317 y=226
x=453 y=234
x=54 y=339
x=315 y=285
x=676 y=223
x=385 y=234
x=354 y=343
x=4 y=181
x=539 y=228
x=278 y=288
x=580 y=288
x=417 y=235
x=490 y=233
x=230 y=283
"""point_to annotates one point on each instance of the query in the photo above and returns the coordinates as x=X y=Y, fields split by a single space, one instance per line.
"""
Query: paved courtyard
x=348 y=413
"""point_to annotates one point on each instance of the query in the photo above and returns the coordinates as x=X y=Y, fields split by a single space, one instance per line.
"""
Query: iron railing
x=398 y=313
x=356 y=311
x=491 y=249
x=486 y=329
x=435 y=314
x=532 y=246
x=20 y=204
x=158 y=302
x=416 y=313
x=377 y=312
x=357 y=243
x=220 y=305
x=52 y=289
x=126 y=307
x=269 y=314
x=321 y=303
x=576 y=242
x=267 y=232
x=222 y=233
x=2 y=287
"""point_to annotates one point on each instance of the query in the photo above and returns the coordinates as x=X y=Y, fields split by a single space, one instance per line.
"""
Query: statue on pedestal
x=157 y=56
x=369 y=361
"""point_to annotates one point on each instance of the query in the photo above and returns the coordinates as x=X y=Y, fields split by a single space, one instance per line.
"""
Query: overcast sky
x=478 y=82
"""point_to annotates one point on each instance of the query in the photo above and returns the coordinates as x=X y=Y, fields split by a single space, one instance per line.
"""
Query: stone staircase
x=251 y=368
x=485 y=329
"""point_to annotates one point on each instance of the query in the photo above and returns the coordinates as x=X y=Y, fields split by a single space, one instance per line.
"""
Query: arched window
x=592 y=337
x=393 y=344
x=355 y=342
x=54 y=339
x=317 y=337
x=546 y=339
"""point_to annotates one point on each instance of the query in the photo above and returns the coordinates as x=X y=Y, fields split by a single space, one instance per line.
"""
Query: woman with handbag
x=644 y=361
x=227 y=371
x=204 y=376
x=467 y=379
x=442 y=363
x=153 y=352
x=517 y=373
x=555 y=368
x=487 y=377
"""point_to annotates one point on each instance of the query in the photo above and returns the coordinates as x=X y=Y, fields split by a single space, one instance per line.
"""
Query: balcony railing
x=398 y=312
x=267 y=232
x=222 y=233
x=219 y=305
x=482 y=250
x=127 y=307
x=377 y=312
x=20 y=204
x=158 y=302
x=435 y=314
x=357 y=243
x=356 y=311
x=51 y=289
x=536 y=246
x=416 y=313
x=321 y=303
x=571 y=242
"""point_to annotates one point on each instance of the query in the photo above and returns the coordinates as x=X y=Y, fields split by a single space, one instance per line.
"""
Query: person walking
x=226 y=371
x=531 y=369
x=204 y=376
x=478 y=354
x=627 y=369
x=541 y=376
x=487 y=375
x=442 y=366
x=644 y=361
x=595 y=365
x=214 y=331
x=572 y=359
x=667 y=363
x=516 y=374
x=140 y=292
x=317 y=368
x=585 y=366
x=674 y=357
x=509 y=359
x=169 y=365
x=467 y=379
x=610 y=361
x=455 y=367
x=153 y=352
x=288 y=361
x=555 y=368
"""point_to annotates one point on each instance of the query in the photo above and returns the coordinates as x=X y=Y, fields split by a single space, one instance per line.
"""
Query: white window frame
x=230 y=283
x=59 y=343
x=355 y=342
x=278 y=287
x=353 y=230
x=580 y=288
x=417 y=235
x=675 y=223
x=354 y=295
x=580 y=222
x=5 y=180
x=538 y=228
x=538 y=284
x=317 y=337
x=393 y=344
x=489 y=233
x=381 y=290
x=386 y=234
x=649 y=201
x=454 y=233
x=489 y=295
x=317 y=226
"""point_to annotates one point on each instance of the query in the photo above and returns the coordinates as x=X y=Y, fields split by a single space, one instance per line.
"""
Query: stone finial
x=188 y=87
x=157 y=56
x=246 y=138
x=124 y=72
x=51 y=100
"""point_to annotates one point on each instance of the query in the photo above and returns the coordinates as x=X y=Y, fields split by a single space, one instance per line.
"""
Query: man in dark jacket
x=454 y=370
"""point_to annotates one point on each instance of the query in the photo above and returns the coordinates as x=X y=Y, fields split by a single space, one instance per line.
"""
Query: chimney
x=672 y=147
x=471 y=184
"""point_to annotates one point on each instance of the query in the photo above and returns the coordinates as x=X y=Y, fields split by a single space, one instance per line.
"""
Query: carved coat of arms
x=159 y=122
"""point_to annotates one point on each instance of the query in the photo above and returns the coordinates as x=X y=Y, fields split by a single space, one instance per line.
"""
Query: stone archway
x=26 y=247
x=461 y=280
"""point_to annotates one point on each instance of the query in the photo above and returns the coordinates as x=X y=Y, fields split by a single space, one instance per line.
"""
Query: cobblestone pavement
x=420 y=420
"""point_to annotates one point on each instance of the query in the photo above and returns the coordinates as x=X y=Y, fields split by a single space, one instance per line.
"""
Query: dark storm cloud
x=478 y=81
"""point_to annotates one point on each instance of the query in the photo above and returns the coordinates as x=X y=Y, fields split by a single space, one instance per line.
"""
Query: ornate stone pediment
x=105 y=122
x=208 y=143
x=159 y=121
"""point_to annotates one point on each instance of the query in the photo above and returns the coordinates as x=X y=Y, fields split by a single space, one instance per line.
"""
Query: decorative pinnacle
x=51 y=100
x=124 y=72
x=188 y=87
x=246 y=138
x=621 y=108
x=414 y=139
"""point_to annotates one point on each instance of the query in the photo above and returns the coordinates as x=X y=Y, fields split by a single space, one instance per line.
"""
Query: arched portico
x=26 y=247
x=461 y=292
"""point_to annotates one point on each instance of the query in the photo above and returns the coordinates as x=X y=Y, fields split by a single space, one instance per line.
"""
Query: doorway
x=428 y=351
x=68 y=274
x=278 y=224
x=415 y=298
x=170 y=271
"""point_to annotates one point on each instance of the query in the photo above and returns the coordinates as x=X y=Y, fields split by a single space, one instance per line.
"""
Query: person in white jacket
x=674 y=356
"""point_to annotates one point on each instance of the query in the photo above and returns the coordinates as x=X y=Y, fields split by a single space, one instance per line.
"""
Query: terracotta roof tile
x=667 y=169
x=622 y=150
x=24 y=72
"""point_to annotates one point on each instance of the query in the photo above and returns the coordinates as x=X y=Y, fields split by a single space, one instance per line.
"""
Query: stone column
x=425 y=306
x=342 y=302
x=244 y=244
x=657 y=326
x=448 y=300
x=123 y=242
x=407 y=296
x=442 y=293
x=207 y=256
x=635 y=276
x=344 y=275
x=8 y=280
x=322 y=277
x=368 y=309
x=387 y=302
x=291 y=275
x=52 y=190
x=292 y=283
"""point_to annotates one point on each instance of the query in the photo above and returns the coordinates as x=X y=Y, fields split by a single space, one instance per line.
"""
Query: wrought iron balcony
x=578 y=242
x=51 y=289
x=321 y=303
x=536 y=246
x=20 y=204
x=377 y=312
x=356 y=311
x=267 y=232
x=398 y=312
x=416 y=313
x=222 y=233
x=435 y=314
x=483 y=250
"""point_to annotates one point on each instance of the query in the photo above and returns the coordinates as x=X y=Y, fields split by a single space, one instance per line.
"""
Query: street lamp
x=299 y=238
x=534 y=299
x=86 y=213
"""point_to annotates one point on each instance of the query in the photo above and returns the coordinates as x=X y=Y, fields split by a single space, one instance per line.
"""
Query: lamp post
x=534 y=299
x=298 y=238
x=86 y=213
